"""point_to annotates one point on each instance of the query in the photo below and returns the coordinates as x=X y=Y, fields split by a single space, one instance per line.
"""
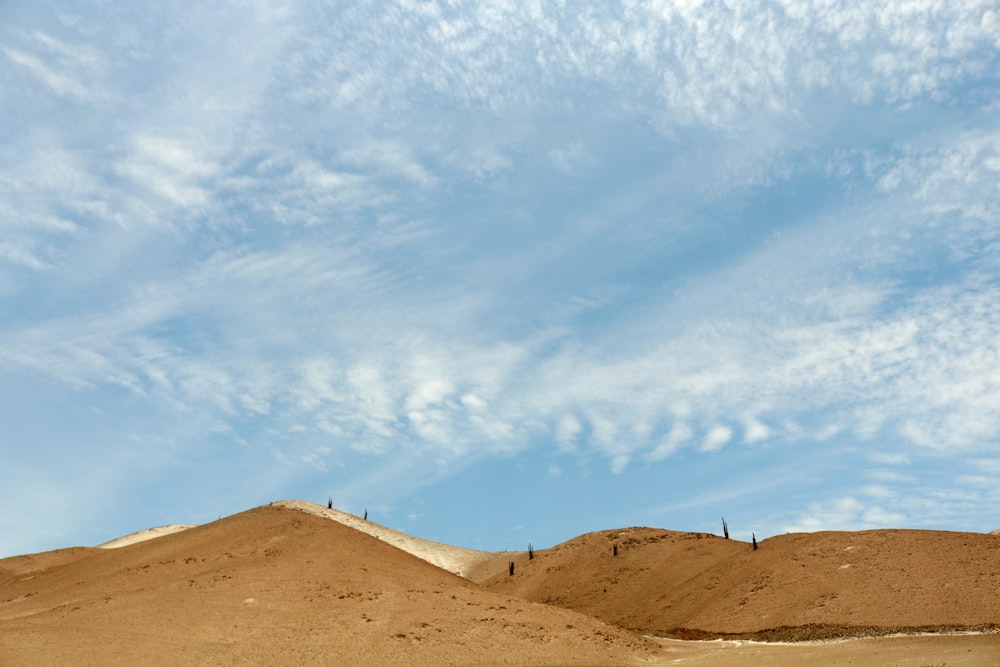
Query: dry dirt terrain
x=793 y=587
x=299 y=584
x=276 y=585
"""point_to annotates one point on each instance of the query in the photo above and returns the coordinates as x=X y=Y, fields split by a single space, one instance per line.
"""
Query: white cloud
x=604 y=432
x=877 y=491
x=987 y=465
x=619 y=463
x=316 y=460
x=318 y=378
x=427 y=393
x=889 y=476
x=846 y=513
x=755 y=430
x=985 y=481
x=484 y=161
x=567 y=431
x=827 y=432
x=679 y=434
x=890 y=458
x=473 y=402
x=20 y=255
x=571 y=158
x=716 y=438
x=170 y=168
x=392 y=158
x=68 y=70
x=255 y=404
x=705 y=63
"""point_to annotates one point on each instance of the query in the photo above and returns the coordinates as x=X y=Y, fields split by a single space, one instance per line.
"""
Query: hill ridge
x=808 y=585
x=457 y=560
x=275 y=585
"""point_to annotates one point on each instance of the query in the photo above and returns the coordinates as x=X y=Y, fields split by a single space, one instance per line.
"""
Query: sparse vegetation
x=754 y=535
x=510 y=568
x=531 y=551
x=725 y=528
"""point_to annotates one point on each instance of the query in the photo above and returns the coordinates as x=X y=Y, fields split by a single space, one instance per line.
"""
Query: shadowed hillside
x=793 y=587
x=278 y=586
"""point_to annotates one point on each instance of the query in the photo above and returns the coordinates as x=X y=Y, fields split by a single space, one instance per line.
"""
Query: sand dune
x=297 y=584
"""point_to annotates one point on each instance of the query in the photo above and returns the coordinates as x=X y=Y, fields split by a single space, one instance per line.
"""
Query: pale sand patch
x=954 y=650
x=143 y=535
x=456 y=560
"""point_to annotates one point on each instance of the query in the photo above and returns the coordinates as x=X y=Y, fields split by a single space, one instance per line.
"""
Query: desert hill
x=468 y=563
x=797 y=586
x=276 y=585
x=298 y=583
x=29 y=563
x=456 y=560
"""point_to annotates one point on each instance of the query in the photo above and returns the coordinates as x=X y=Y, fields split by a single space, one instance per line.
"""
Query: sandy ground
x=143 y=535
x=297 y=583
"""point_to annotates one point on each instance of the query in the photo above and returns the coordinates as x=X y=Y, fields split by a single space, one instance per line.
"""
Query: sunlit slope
x=278 y=586
x=457 y=560
x=826 y=583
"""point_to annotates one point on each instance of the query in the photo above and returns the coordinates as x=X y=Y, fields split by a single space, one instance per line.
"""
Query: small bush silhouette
x=725 y=528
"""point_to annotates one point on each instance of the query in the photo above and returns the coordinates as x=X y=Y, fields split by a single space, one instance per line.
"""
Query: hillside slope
x=793 y=587
x=456 y=560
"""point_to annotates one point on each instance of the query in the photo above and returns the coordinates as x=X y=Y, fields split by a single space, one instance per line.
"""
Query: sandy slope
x=468 y=563
x=30 y=563
x=795 y=586
x=456 y=560
x=279 y=586
x=143 y=535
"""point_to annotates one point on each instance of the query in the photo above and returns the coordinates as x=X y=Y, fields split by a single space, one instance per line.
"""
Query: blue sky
x=500 y=272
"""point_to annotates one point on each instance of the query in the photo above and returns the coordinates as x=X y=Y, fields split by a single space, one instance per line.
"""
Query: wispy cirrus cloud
x=702 y=61
x=400 y=238
x=67 y=70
